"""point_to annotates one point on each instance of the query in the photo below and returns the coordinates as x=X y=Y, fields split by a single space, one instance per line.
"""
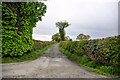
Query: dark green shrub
x=40 y=44
x=79 y=49
x=102 y=51
x=101 y=54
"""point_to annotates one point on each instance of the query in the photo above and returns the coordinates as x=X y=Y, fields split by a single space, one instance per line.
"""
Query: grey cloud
x=97 y=18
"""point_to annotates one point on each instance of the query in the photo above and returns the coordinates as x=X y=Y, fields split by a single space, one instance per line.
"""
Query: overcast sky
x=97 y=18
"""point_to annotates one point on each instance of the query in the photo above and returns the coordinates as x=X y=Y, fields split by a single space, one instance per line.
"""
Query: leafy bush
x=18 y=19
x=40 y=44
x=103 y=51
x=101 y=54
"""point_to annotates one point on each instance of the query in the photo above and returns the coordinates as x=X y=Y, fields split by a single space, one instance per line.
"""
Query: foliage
x=56 y=37
x=70 y=40
x=18 y=19
x=67 y=38
x=25 y=57
x=83 y=37
x=40 y=44
x=61 y=25
x=85 y=60
x=37 y=50
x=110 y=69
x=102 y=51
x=0 y=31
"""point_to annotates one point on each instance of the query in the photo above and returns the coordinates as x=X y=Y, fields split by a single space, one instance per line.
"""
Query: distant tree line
x=56 y=37
x=61 y=35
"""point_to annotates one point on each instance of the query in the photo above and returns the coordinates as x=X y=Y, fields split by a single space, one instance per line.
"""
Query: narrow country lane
x=51 y=64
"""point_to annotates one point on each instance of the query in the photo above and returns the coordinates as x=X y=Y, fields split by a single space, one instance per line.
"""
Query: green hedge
x=92 y=65
x=38 y=48
x=99 y=55
x=102 y=51
x=18 y=20
x=41 y=44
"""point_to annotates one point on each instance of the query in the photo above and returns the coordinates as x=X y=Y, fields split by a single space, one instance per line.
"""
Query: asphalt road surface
x=51 y=64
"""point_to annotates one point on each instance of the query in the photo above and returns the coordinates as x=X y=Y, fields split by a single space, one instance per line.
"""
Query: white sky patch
x=97 y=18
x=42 y=37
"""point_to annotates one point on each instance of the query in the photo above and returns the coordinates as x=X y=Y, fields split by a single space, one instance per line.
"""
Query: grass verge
x=30 y=56
x=91 y=65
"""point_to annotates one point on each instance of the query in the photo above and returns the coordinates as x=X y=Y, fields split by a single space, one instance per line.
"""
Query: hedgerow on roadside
x=102 y=54
x=38 y=48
